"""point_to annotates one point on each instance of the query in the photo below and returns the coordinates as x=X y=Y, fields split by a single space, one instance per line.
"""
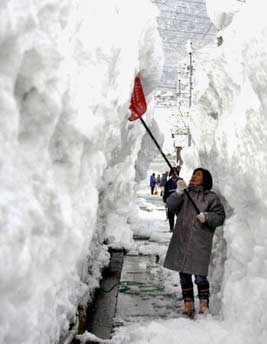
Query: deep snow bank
x=229 y=127
x=67 y=152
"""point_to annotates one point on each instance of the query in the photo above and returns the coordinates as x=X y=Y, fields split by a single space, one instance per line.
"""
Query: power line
x=159 y=2
x=177 y=6
x=205 y=35
x=186 y=14
x=168 y=87
x=169 y=67
x=162 y=18
x=178 y=20
x=191 y=32
x=173 y=40
x=194 y=2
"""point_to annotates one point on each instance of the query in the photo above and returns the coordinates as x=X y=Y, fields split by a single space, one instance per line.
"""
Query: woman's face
x=197 y=178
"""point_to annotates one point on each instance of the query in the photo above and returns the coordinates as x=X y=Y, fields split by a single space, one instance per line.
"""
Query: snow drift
x=67 y=151
x=229 y=128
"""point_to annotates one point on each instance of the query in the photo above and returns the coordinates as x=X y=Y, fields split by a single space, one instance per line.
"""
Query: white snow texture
x=70 y=162
x=67 y=151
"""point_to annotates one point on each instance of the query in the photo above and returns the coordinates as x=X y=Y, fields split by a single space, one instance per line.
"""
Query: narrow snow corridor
x=149 y=304
x=74 y=171
x=157 y=317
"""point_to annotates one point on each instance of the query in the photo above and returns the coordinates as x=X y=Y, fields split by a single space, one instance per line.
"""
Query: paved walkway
x=143 y=295
x=141 y=290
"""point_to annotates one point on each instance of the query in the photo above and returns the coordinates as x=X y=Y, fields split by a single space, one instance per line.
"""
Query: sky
x=180 y=21
x=71 y=162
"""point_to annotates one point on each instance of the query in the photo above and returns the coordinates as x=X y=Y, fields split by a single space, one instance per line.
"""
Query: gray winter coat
x=190 y=246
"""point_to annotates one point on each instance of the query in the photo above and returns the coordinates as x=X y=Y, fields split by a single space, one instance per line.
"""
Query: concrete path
x=142 y=297
x=140 y=294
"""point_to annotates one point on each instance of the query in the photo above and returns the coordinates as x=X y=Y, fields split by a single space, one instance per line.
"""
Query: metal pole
x=190 y=92
x=193 y=203
x=189 y=137
x=190 y=79
x=167 y=161
x=156 y=143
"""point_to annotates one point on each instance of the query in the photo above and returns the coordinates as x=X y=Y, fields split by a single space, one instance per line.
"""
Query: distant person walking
x=163 y=181
x=158 y=184
x=152 y=183
x=190 y=247
x=170 y=187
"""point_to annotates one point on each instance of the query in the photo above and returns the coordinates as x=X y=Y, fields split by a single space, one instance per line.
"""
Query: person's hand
x=181 y=185
x=201 y=217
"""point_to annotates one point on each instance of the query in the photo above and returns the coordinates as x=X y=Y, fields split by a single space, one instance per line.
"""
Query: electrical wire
x=185 y=14
x=191 y=32
x=173 y=39
x=194 y=2
x=205 y=35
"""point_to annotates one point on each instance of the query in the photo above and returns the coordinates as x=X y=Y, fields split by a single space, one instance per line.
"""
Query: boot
x=189 y=308
x=203 y=294
x=203 y=306
x=188 y=296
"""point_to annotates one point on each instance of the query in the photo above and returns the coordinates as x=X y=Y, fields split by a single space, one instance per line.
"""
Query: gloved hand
x=201 y=217
x=181 y=185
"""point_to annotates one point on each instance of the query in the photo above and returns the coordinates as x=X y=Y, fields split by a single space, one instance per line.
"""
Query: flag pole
x=167 y=161
x=156 y=143
x=138 y=107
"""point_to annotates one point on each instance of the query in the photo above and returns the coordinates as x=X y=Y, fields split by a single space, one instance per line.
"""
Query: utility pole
x=189 y=50
x=190 y=79
x=179 y=88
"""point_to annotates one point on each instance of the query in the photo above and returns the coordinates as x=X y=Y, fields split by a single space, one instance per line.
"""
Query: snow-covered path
x=149 y=311
x=144 y=294
x=166 y=324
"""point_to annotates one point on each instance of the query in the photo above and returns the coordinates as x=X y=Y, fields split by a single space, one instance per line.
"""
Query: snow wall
x=67 y=152
x=229 y=130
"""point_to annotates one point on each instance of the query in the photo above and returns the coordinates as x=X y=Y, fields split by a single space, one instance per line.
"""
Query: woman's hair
x=207 y=178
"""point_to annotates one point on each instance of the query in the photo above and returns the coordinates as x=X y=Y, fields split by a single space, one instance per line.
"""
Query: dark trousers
x=187 y=286
x=171 y=216
x=152 y=190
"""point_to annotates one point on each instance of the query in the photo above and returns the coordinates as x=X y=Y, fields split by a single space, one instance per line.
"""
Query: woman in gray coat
x=190 y=246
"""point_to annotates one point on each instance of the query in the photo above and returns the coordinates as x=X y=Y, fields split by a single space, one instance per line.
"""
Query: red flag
x=138 y=101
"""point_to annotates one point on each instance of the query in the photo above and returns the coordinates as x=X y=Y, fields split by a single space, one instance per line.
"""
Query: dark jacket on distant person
x=163 y=179
x=152 y=181
x=170 y=187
